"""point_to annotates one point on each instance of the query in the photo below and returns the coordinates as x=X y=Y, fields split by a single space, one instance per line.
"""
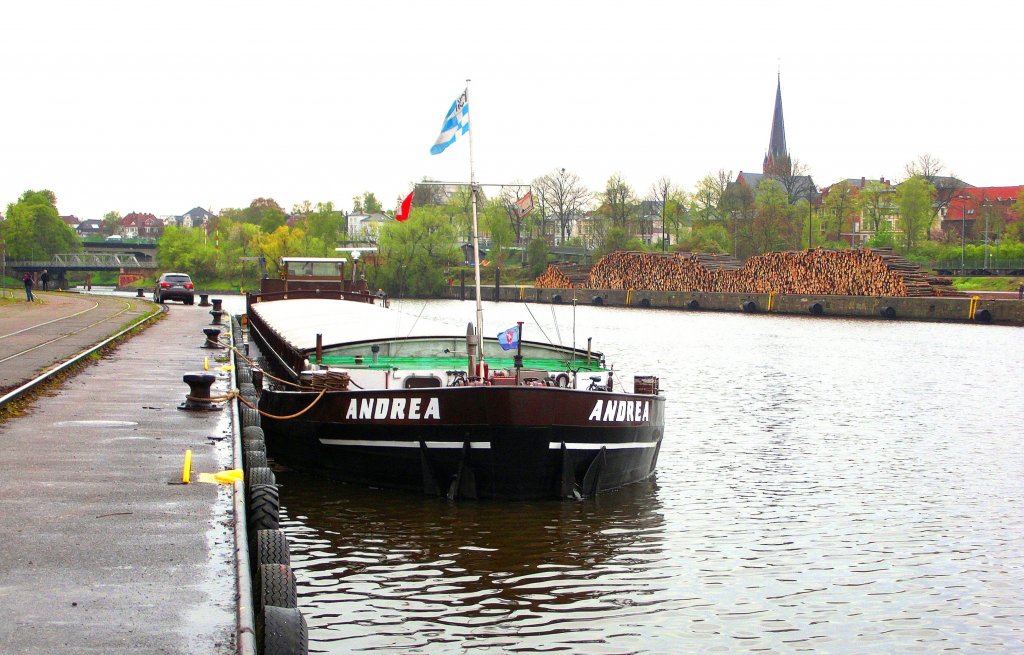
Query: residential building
x=136 y=225
x=365 y=227
x=971 y=206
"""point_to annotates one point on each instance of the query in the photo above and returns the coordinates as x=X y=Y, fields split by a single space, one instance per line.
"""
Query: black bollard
x=204 y=300
x=216 y=316
x=216 y=304
x=212 y=335
x=198 y=398
x=139 y=293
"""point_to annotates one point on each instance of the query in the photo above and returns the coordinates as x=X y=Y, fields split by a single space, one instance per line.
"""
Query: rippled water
x=824 y=486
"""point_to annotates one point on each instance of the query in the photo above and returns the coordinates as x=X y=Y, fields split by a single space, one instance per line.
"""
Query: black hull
x=478 y=442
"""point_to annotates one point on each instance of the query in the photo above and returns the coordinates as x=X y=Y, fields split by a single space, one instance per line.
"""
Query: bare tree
x=619 y=201
x=931 y=169
x=661 y=192
x=565 y=196
x=793 y=175
x=510 y=195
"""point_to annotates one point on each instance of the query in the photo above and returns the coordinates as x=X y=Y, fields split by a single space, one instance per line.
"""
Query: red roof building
x=141 y=225
x=968 y=206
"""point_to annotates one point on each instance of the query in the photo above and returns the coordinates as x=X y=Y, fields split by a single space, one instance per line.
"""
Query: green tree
x=618 y=201
x=839 y=208
x=33 y=229
x=876 y=204
x=415 y=255
x=537 y=252
x=185 y=250
x=707 y=238
x=111 y=223
x=324 y=223
x=495 y=223
x=914 y=198
x=773 y=227
x=365 y=204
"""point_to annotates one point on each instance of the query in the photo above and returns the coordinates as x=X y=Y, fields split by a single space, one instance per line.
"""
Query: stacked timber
x=563 y=276
x=652 y=271
x=813 y=272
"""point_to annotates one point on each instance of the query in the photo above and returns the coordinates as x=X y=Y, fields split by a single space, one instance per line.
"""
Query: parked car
x=174 y=286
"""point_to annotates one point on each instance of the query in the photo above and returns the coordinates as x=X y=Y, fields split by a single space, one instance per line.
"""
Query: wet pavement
x=105 y=551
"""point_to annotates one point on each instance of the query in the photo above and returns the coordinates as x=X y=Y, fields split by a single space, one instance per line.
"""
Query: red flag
x=403 y=213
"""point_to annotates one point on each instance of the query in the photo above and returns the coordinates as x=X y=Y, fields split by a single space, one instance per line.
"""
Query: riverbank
x=975 y=309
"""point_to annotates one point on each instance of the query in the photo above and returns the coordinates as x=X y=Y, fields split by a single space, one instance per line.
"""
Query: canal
x=842 y=486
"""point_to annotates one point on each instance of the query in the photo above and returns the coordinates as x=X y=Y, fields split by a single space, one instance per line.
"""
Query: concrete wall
x=995 y=311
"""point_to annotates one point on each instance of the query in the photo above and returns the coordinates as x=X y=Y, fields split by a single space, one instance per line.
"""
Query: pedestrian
x=1020 y=292
x=27 y=279
x=88 y=281
x=45 y=278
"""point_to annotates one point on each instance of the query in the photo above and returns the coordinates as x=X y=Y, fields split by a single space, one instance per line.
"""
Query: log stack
x=814 y=272
x=563 y=276
x=653 y=271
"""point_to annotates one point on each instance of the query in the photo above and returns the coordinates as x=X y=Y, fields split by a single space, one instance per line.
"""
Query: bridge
x=127 y=264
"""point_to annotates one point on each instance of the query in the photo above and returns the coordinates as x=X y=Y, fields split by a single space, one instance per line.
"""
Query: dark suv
x=174 y=286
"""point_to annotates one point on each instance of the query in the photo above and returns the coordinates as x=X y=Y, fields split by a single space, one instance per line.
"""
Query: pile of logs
x=657 y=272
x=563 y=276
x=813 y=272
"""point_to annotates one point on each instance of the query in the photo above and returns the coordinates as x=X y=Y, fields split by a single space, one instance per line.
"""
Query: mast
x=476 y=248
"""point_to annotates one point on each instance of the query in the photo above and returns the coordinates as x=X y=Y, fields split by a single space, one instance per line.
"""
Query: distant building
x=71 y=221
x=778 y=164
x=970 y=206
x=89 y=227
x=365 y=227
x=861 y=227
x=194 y=218
x=136 y=225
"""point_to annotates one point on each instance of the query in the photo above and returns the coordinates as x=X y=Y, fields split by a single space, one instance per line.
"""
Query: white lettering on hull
x=397 y=409
x=619 y=411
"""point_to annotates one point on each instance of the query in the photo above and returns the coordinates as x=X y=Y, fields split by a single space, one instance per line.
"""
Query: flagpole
x=476 y=249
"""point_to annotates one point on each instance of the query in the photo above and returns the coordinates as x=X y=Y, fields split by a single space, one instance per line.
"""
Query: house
x=71 y=221
x=862 y=224
x=968 y=210
x=89 y=227
x=136 y=225
x=195 y=217
x=365 y=227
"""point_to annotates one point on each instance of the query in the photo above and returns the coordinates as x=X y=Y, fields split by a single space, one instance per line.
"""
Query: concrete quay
x=986 y=309
x=105 y=550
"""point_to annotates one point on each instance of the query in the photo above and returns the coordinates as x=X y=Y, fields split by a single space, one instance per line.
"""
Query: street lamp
x=963 y=229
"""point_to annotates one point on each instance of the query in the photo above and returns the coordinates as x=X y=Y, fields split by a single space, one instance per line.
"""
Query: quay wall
x=962 y=310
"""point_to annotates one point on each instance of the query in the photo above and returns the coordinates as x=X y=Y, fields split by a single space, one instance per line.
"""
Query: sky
x=162 y=107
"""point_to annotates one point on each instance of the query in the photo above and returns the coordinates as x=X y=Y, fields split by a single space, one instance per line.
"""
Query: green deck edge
x=458 y=363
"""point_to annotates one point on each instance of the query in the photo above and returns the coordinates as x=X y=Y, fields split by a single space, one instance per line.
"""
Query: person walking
x=1020 y=292
x=45 y=278
x=27 y=279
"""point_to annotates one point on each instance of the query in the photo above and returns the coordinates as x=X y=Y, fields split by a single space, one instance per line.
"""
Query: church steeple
x=777 y=156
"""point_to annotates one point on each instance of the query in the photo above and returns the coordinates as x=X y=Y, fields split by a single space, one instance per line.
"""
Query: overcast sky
x=161 y=107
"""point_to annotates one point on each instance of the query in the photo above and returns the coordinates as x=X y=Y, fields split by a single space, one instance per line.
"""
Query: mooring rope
x=284 y=418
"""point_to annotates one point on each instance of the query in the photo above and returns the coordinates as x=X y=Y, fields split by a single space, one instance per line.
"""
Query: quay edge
x=929 y=308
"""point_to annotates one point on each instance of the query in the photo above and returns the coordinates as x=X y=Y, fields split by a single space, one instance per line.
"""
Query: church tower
x=776 y=160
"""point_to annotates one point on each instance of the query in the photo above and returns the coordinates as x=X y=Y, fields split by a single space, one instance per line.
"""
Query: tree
x=495 y=222
x=324 y=223
x=773 y=227
x=706 y=202
x=537 y=253
x=415 y=254
x=509 y=197
x=111 y=223
x=876 y=204
x=365 y=204
x=33 y=229
x=662 y=193
x=566 y=197
x=738 y=204
x=619 y=201
x=931 y=169
x=914 y=198
x=839 y=208
x=792 y=174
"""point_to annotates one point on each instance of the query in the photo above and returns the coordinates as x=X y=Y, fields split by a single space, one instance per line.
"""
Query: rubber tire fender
x=562 y=380
x=264 y=509
x=284 y=631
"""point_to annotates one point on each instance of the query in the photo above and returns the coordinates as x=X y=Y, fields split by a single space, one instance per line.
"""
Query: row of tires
x=280 y=627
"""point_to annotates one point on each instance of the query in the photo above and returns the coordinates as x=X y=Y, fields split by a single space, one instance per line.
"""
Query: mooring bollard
x=139 y=293
x=212 y=336
x=198 y=398
x=216 y=304
x=204 y=300
x=216 y=316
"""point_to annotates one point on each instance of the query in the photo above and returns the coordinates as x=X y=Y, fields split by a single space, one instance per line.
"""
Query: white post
x=476 y=247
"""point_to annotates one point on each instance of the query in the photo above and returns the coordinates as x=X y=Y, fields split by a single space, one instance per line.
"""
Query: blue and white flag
x=456 y=122
x=509 y=339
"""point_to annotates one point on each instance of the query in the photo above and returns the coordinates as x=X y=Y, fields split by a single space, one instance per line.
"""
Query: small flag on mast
x=455 y=122
x=403 y=213
x=509 y=339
